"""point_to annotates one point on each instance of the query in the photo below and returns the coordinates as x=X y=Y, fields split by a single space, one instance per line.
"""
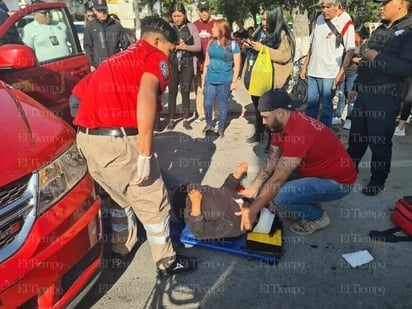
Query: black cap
x=277 y=98
x=98 y=4
x=203 y=5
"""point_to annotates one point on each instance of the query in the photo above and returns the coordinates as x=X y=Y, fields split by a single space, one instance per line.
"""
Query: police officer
x=385 y=63
x=116 y=119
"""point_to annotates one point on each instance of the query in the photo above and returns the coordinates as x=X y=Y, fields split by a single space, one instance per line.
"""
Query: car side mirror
x=16 y=57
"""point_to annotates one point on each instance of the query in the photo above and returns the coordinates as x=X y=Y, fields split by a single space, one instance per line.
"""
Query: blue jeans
x=320 y=89
x=343 y=91
x=222 y=92
x=302 y=196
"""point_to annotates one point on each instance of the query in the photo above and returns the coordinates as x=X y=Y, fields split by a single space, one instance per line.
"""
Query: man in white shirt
x=332 y=45
x=47 y=38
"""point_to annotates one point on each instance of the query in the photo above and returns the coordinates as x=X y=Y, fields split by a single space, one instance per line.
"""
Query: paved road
x=311 y=273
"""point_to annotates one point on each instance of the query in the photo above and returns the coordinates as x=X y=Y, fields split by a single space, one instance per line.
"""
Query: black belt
x=117 y=132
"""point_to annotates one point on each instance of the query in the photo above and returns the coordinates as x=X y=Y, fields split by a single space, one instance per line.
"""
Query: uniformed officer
x=386 y=62
x=116 y=119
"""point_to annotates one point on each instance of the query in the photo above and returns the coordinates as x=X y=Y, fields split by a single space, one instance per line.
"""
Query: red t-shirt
x=322 y=153
x=205 y=33
x=81 y=86
x=110 y=99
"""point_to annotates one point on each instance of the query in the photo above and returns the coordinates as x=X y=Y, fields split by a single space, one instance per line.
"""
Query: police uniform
x=107 y=137
x=379 y=86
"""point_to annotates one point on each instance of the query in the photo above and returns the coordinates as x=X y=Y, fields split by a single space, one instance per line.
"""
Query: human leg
x=259 y=127
x=314 y=87
x=341 y=103
x=200 y=80
x=173 y=88
x=358 y=139
x=186 y=78
x=223 y=93
x=405 y=113
x=382 y=110
x=303 y=196
x=112 y=163
x=209 y=95
x=327 y=101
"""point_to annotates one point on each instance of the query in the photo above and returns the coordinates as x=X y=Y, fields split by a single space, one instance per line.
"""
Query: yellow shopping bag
x=261 y=78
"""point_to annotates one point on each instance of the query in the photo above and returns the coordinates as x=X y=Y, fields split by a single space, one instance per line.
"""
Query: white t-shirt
x=47 y=41
x=326 y=59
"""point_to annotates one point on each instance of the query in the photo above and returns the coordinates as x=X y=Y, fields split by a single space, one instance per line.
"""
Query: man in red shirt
x=116 y=119
x=308 y=165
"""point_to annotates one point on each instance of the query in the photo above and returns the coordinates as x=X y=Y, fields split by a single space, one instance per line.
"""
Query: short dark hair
x=158 y=25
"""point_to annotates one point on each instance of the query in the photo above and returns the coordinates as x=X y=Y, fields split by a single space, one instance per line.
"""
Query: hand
x=233 y=86
x=352 y=96
x=256 y=45
x=248 y=218
x=143 y=169
x=370 y=54
x=248 y=193
x=303 y=73
x=240 y=170
x=92 y=68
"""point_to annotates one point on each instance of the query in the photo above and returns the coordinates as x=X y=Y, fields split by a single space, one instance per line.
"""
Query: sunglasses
x=44 y=12
x=90 y=16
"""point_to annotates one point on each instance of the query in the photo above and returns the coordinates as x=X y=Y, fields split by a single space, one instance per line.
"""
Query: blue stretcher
x=230 y=245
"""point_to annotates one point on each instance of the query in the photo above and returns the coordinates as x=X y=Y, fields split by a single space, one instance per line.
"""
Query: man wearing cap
x=116 y=118
x=204 y=25
x=104 y=36
x=385 y=63
x=308 y=165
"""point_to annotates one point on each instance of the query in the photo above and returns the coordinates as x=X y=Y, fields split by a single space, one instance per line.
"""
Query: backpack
x=402 y=218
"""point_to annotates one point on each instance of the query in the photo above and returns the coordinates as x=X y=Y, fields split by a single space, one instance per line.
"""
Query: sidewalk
x=311 y=273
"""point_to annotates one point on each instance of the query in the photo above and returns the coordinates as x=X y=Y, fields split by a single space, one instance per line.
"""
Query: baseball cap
x=277 y=98
x=98 y=4
x=203 y=5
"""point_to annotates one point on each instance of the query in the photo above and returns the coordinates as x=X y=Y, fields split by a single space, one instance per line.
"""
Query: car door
x=54 y=74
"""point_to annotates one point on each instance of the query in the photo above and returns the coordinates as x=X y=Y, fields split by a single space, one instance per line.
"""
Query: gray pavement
x=310 y=274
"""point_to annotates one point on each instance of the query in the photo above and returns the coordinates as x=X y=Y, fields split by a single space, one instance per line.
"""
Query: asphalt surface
x=312 y=272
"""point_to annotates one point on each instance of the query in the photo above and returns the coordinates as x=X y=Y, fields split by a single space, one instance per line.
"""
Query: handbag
x=261 y=78
x=402 y=218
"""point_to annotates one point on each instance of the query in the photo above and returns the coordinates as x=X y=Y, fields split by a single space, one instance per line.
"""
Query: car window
x=48 y=33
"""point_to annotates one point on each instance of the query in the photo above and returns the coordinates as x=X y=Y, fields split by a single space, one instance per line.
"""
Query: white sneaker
x=399 y=132
x=347 y=124
x=336 y=120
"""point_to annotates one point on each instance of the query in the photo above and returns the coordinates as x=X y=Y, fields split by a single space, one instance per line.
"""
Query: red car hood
x=31 y=136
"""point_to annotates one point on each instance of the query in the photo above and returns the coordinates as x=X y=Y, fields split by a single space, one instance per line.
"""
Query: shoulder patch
x=164 y=68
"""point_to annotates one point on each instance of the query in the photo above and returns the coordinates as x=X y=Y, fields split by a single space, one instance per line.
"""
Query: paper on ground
x=358 y=258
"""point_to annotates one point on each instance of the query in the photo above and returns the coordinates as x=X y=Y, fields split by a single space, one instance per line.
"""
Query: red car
x=50 y=225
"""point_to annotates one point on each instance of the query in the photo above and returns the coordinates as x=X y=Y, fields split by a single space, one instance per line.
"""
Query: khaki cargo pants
x=112 y=162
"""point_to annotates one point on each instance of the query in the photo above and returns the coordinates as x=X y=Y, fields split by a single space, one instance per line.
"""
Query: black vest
x=381 y=40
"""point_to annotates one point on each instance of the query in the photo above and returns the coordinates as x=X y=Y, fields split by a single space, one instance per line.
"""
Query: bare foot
x=195 y=196
x=240 y=170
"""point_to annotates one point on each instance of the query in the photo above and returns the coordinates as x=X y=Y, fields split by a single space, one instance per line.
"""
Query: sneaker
x=171 y=124
x=336 y=120
x=200 y=119
x=187 y=125
x=221 y=133
x=180 y=265
x=306 y=227
x=372 y=189
x=347 y=124
x=399 y=132
x=118 y=261
x=207 y=128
